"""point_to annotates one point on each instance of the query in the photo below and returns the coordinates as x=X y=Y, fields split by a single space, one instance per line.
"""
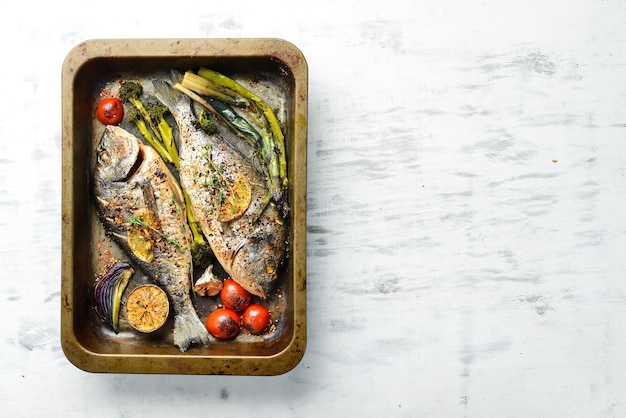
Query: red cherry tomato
x=223 y=323
x=234 y=296
x=110 y=111
x=255 y=318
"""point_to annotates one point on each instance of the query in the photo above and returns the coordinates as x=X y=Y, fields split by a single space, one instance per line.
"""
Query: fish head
x=255 y=266
x=118 y=154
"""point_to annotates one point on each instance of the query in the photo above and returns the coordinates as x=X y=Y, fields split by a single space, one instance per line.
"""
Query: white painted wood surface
x=465 y=211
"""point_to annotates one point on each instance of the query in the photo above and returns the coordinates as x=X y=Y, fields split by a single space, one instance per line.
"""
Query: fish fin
x=150 y=199
x=176 y=76
x=188 y=329
x=168 y=95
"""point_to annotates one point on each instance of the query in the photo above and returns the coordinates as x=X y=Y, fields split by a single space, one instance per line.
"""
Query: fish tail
x=188 y=329
x=169 y=96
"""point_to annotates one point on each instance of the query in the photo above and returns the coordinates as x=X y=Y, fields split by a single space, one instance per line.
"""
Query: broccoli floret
x=156 y=110
x=132 y=115
x=205 y=123
x=201 y=254
x=130 y=90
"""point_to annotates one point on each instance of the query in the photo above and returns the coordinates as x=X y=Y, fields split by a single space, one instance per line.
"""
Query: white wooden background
x=466 y=187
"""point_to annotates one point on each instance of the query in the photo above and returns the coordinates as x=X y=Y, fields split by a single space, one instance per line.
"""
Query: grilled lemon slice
x=139 y=235
x=147 y=308
x=237 y=200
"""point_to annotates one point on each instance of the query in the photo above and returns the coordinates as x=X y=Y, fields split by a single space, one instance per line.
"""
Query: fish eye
x=104 y=158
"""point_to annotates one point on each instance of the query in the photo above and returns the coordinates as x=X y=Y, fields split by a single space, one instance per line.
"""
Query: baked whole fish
x=137 y=194
x=251 y=247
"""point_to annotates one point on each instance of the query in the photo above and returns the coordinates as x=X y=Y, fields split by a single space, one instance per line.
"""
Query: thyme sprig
x=218 y=179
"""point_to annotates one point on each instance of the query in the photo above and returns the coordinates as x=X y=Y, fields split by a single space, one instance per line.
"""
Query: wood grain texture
x=465 y=226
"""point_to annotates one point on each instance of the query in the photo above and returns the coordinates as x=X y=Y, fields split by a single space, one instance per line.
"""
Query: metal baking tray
x=86 y=341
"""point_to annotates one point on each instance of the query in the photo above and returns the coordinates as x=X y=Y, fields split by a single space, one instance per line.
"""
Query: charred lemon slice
x=139 y=234
x=237 y=200
x=147 y=308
